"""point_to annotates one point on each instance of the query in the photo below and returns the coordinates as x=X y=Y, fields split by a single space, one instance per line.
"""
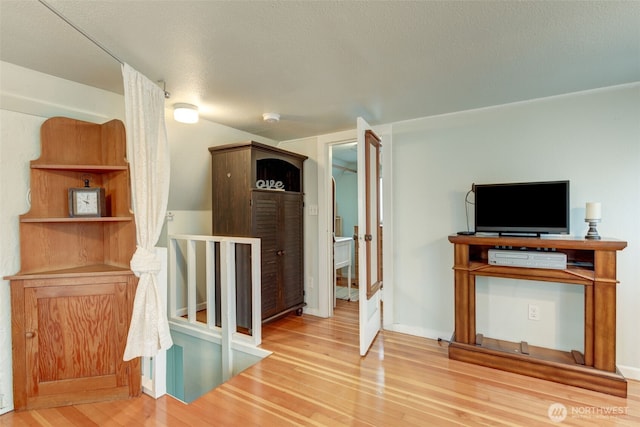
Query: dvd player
x=531 y=259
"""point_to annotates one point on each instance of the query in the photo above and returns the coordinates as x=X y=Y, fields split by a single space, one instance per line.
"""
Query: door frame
x=325 y=237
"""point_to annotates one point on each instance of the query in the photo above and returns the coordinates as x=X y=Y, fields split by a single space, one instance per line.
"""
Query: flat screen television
x=527 y=208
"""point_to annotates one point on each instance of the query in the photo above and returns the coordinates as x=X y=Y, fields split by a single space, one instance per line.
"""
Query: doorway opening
x=344 y=162
x=344 y=219
x=369 y=234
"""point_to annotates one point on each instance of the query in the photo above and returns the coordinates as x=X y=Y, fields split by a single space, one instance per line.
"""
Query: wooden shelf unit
x=72 y=299
x=590 y=263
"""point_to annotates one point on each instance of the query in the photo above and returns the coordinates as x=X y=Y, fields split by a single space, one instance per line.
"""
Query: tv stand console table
x=590 y=263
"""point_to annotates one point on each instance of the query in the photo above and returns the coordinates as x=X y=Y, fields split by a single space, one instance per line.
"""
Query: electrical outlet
x=310 y=282
x=534 y=312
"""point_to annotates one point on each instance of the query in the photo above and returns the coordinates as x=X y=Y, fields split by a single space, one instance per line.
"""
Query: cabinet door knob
x=280 y=252
x=30 y=334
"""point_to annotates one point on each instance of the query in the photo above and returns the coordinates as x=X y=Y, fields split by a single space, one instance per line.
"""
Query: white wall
x=347 y=205
x=13 y=202
x=190 y=187
x=346 y=199
x=591 y=138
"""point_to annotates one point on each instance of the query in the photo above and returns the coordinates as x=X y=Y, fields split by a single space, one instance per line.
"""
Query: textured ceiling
x=321 y=64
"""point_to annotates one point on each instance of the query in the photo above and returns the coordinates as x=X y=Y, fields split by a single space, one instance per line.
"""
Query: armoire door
x=277 y=221
x=264 y=205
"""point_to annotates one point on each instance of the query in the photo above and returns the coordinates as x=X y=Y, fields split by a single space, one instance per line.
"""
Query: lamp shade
x=185 y=113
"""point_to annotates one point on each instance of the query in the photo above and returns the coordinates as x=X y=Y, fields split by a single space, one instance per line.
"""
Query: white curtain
x=148 y=156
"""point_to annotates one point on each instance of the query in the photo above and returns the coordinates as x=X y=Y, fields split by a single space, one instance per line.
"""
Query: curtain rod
x=167 y=95
x=78 y=29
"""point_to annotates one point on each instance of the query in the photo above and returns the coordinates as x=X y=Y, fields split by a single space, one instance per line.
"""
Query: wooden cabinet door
x=231 y=175
x=277 y=221
x=265 y=227
x=74 y=341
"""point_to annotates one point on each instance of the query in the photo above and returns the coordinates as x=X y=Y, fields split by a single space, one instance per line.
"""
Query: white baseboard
x=418 y=332
x=183 y=311
x=630 y=372
x=312 y=312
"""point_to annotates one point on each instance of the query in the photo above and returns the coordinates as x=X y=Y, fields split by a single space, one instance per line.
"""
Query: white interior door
x=368 y=239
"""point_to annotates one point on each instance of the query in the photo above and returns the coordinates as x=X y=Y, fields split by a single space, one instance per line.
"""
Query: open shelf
x=573 y=275
x=85 y=270
x=530 y=351
x=81 y=168
x=542 y=363
x=79 y=219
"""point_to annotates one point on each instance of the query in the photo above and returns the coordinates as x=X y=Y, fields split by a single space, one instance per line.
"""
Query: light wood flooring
x=315 y=377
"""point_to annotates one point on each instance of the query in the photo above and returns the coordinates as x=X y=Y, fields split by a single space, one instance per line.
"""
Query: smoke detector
x=271 y=117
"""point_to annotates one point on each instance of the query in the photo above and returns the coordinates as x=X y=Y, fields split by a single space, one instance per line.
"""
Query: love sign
x=270 y=184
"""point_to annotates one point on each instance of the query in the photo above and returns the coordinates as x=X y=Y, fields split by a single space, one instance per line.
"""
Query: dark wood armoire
x=257 y=192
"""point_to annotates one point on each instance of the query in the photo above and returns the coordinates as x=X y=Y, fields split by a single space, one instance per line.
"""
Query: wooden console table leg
x=465 y=297
x=588 y=325
x=604 y=317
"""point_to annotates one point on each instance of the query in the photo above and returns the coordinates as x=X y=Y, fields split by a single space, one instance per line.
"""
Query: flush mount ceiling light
x=271 y=117
x=185 y=113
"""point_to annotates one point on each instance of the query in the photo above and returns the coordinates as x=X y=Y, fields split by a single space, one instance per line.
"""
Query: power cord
x=466 y=211
x=466 y=206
